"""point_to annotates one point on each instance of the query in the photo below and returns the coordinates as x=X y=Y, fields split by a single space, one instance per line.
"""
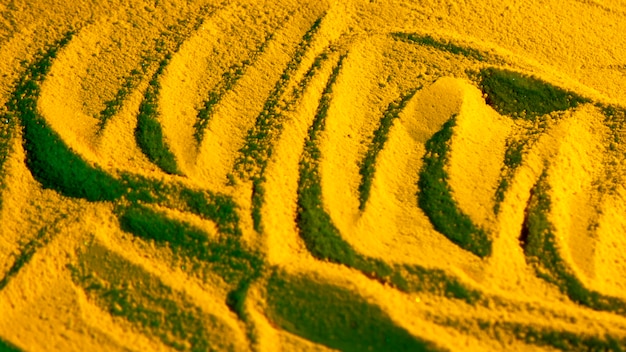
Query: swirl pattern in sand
x=307 y=176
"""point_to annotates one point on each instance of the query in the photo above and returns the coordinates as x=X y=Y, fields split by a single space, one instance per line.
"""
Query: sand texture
x=359 y=175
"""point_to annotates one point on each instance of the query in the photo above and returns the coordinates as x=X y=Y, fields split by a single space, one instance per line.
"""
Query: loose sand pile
x=349 y=175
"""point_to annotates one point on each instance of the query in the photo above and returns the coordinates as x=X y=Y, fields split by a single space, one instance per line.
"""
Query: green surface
x=252 y=161
x=520 y=96
x=542 y=250
x=440 y=44
x=149 y=133
x=7 y=131
x=8 y=347
x=512 y=160
x=367 y=166
x=173 y=37
x=128 y=292
x=323 y=240
x=225 y=256
x=335 y=317
x=226 y=84
x=435 y=197
x=554 y=338
x=49 y=159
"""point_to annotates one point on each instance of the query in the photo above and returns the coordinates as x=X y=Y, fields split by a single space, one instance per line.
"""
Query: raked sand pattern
x=312 y=176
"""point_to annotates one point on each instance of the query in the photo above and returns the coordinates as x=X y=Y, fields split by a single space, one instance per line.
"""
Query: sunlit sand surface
x=312 y=176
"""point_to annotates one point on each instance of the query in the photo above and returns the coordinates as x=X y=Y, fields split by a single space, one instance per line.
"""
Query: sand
x=312 y=176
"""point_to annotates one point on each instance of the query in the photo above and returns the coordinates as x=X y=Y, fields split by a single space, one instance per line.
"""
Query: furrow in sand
x=357 y=102
x=56 y=166
x=546 y=254
x=232 y=75
x=339 y=280
x=324 y=240
x=254 y=175
x=298 y=303
x=257 y=148
x=552 y=235
x=279 y=211
x=529 y=335
x=441 y=44
x=24 y=229
x=251 y=163
x=26 y=252
x=196 y=81
x=150 y=306
x=367 y=166
x=576 y=201
x=62 y=94
x=149 y=131
x=50 y=160
x=139 y=298
x=151 y=122
x=55 y=293
x=116 y=140
x=436 y=198
x=476 y=153
x=231 y=129
x=609 y=259
x=142 y=58
x=382 y=72
x=7 y=131
x=42 y=290
x=392 y=227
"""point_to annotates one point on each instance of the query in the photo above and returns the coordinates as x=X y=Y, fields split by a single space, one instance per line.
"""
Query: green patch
x=167 y=42
x=149 y=133
x=229 y=80
x=542 y=251
x=216 y=207
x=323 y=240
x=520 y=96
x=367 y=167
x=335 y=317
x=141 y=189
x=226 y=257
x=258 y=148
x=112 y=107
x=49 y=159
x=435 y=197
x=258 y=197
x=255 y=152
x=7 y=128
x=513 y=155
x=512 y=160
x=316 y=229
x=557 y=338
x=565 y=340
x=126 y=291
x=28 y=250
x=6 y=346
x=436 y=281
x=321 y=237
x=26 y=254
x=443 y=45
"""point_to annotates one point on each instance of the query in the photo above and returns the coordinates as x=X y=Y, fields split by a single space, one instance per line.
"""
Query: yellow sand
x=575 y=45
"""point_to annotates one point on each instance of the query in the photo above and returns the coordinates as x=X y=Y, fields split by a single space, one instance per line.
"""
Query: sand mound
x=360 y=175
